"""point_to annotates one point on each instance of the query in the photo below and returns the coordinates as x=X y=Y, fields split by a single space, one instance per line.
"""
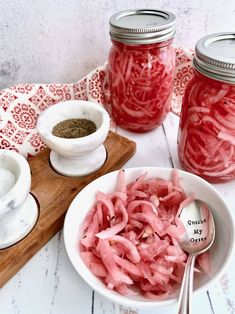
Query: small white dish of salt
x=18 y=208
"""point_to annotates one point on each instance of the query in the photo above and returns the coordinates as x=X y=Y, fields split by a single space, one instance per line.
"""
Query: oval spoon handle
x=187 y=286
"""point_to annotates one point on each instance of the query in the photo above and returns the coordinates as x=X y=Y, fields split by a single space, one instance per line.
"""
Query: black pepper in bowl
x=74 y=128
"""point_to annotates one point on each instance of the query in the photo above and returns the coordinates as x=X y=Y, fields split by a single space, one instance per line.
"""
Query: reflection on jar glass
x=141 y=68
x=206 y=138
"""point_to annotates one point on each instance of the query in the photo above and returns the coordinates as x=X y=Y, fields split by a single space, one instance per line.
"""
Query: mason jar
x=206 y=137
x=141 y=67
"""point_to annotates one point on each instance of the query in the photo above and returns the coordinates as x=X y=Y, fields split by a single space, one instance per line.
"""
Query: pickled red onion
x=141 y=83
x=206 y=140
x=133 y=247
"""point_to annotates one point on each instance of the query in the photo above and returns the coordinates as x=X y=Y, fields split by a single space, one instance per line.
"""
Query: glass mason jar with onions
x=206 y=137
x=141 y=67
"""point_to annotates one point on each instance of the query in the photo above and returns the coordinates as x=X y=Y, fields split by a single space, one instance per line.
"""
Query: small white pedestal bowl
x=18 y=208
x=75 y=156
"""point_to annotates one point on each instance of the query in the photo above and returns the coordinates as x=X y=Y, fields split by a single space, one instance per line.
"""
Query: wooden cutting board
x=54 y=194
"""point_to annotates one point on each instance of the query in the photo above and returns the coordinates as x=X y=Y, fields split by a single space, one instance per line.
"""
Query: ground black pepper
x=74 y=128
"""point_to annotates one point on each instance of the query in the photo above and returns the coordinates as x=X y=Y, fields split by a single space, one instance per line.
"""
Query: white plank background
x=63 y=40
x=48 y=284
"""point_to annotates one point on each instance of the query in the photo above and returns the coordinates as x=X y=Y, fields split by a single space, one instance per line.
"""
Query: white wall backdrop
x=59 y=41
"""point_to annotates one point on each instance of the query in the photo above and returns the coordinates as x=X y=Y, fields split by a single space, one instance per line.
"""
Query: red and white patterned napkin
x=21 y=105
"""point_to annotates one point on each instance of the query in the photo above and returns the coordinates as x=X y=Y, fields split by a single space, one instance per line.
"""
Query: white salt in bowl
x=14 y=194
x=220 y=252
x=18 y=208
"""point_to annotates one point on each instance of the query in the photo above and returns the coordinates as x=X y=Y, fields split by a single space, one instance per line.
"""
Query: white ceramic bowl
x=18 y=208
x=75 y=156
x=220 y=251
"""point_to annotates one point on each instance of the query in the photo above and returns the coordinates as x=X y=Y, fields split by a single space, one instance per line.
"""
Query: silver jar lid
x=143 y=26
x=215 y=56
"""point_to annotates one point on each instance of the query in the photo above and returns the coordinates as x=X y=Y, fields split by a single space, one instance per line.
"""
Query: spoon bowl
x=200 y=228
x=199 y=236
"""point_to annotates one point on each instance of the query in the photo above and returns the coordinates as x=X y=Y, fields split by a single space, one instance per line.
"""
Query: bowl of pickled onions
x=121 y=234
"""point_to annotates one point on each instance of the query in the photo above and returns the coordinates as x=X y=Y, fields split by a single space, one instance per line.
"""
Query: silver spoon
x=199 y=236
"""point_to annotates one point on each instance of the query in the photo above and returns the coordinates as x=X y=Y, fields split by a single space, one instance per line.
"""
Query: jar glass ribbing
x=141 y=81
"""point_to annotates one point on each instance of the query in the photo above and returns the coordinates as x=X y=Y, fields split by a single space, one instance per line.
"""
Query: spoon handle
x=187 y=287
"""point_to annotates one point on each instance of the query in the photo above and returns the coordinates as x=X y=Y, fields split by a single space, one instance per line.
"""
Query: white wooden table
x=48 y=284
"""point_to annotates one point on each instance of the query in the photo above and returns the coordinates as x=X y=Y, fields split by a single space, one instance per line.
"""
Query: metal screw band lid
x=143 y=26
x=215 y=56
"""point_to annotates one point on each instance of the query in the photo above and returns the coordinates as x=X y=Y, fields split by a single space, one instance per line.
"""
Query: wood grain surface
x=54 y=194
